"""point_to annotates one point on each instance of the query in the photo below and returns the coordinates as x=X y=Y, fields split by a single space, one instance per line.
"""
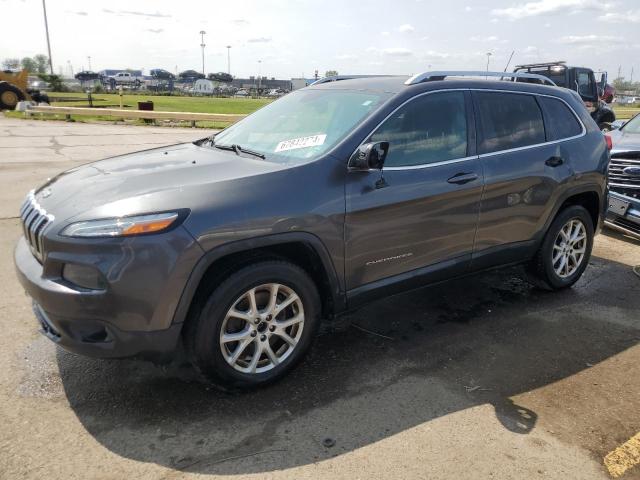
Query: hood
x=132 y=183
x=624 y=141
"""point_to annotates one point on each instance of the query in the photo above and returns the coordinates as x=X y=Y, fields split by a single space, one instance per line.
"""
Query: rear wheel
x=565 y=250
x=255 y=326
x=10 y=95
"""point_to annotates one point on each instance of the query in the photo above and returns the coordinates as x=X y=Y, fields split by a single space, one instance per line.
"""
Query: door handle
x=462 y=178
x=554 y=161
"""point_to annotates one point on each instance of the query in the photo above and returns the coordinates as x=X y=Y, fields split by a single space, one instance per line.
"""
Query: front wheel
x=565 y=250
x=255 y=326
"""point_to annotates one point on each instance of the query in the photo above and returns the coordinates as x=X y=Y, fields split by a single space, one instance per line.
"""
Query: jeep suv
x=237 y=245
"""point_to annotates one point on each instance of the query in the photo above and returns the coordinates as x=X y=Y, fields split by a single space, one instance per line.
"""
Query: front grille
x=620 y=181
x=34 y=223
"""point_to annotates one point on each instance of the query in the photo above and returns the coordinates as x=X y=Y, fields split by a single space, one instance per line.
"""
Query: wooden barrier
x=144 y=114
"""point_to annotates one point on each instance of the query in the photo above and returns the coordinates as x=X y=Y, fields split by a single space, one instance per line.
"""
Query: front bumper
x=131 y=317
x=628 y=221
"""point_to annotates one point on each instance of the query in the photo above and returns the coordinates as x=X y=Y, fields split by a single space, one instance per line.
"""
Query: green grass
x=625 y=112
x=168 y=103
x=164 y=103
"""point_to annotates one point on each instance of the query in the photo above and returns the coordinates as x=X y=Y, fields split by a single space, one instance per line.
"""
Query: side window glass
x=508 y=120
x=585 y=85
x=429 y=129
x=560 y=122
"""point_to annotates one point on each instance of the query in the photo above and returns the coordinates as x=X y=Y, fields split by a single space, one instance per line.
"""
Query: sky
x=294 y=38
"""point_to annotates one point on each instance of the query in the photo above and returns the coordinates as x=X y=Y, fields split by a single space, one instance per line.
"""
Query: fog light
x=83 y=276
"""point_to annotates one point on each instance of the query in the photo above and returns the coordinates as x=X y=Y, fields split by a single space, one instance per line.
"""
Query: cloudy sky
x=296 y=37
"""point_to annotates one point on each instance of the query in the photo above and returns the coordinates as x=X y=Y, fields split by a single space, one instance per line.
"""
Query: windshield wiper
x=238 y=149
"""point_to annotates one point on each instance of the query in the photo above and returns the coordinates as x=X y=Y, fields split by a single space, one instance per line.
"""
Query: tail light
x=607 y=138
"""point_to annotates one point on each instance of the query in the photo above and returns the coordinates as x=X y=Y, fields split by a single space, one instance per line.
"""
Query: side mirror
x=369 y=156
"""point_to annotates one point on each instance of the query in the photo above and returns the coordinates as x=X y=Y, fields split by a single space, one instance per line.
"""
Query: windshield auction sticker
x=302 y=142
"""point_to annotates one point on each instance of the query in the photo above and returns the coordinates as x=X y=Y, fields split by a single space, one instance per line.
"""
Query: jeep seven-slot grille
x=34 y=223
x=623 y=182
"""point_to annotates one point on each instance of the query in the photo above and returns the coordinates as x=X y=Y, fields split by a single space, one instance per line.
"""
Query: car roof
x=396 y=85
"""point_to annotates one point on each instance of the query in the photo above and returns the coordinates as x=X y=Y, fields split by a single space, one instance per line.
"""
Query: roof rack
x=337 y=78
x=431 y=76
x=539 y=65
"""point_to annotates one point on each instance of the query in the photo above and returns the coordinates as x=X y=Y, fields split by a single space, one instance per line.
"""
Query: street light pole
x=46 y=28
x=488 y=57
x=229 y=59
x=260 y=75
x=89 y=60
x=202 y=44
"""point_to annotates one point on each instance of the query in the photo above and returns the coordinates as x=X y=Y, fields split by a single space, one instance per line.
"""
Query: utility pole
x=229 y=59
x=46 y=28
x=89 y=61
x=631 y=81
x=202 y=44
x=488 y=57
x=619 y=70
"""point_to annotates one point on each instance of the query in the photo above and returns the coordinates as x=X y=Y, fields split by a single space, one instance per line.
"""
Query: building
x=203 y=86
x=298 y=83
x=264 y=83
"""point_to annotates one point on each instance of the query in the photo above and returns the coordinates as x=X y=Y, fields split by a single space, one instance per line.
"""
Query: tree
x=331 y=73
x=29 y=64
x=43 y=62
x=11 y=64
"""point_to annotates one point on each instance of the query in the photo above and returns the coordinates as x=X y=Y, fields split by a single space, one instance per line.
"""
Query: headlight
x=121 y=227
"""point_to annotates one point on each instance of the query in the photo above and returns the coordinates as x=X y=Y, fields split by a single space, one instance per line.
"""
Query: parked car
x=126 y=78
x=241 y=93
x=87 y=76
x=237 y=245
x=618 y=124
x=161 y=74
x=275 y=93
x=624 y=179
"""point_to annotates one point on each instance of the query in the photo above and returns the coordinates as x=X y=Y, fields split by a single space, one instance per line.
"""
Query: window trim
x=483 y=155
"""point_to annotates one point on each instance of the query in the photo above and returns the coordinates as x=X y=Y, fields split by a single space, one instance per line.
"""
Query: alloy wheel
x=569 y=248
x=262 y=328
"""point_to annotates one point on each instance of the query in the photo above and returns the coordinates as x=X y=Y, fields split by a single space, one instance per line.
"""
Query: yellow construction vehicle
x=14 y=88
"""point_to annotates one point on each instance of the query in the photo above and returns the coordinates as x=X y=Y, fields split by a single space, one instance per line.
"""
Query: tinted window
x=509 y=120
x=429 y=129
x=585 y=84
x=560 y=122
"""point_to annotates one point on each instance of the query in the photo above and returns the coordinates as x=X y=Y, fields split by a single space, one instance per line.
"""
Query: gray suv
x=237 y=245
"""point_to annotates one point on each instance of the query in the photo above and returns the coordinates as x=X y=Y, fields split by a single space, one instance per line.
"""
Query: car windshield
x=633 y=125
x=302 y=125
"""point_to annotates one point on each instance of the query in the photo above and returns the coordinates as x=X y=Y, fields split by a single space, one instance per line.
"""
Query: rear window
x=559 y=120
x=508 y=120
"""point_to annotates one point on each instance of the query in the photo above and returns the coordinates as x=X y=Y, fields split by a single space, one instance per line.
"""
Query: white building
x=204 y=87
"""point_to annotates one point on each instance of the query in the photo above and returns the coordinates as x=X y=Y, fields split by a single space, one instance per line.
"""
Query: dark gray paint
x=239 y=203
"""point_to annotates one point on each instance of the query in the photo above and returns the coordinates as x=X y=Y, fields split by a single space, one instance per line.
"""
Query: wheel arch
x=589 y=196
x=301 y=248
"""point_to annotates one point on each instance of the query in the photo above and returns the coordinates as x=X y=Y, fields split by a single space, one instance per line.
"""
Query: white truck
x=126 y=78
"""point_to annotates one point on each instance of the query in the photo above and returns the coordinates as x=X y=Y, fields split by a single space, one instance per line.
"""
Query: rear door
x=422 y=209
x=522 y=171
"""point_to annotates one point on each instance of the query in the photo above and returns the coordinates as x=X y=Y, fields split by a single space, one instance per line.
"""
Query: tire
x=261 y=335
x=605 y=127
x=10 y=95
x=543 y=272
